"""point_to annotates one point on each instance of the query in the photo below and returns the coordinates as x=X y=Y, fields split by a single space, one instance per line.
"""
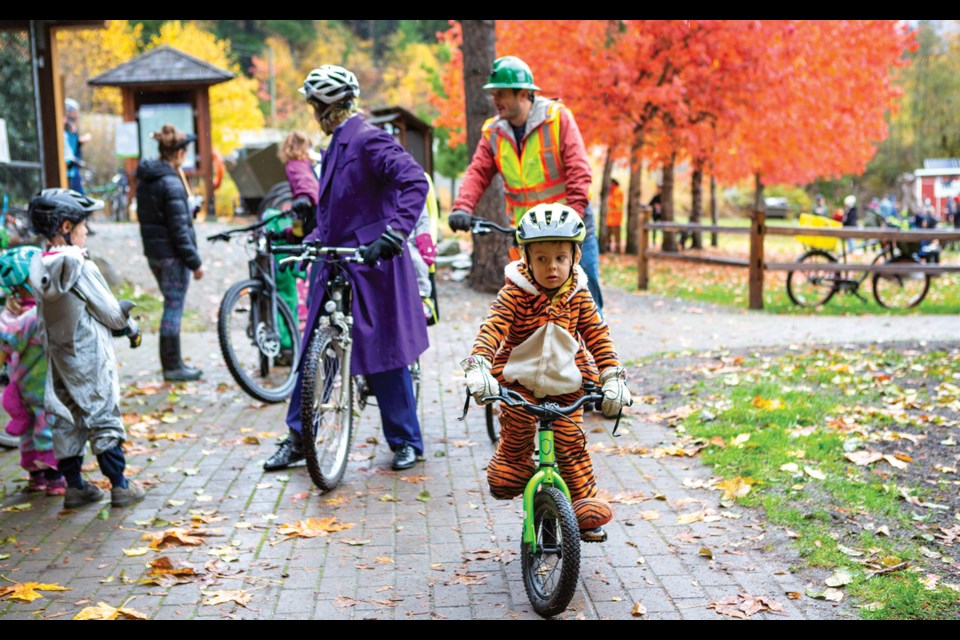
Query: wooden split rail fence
x=756 y=263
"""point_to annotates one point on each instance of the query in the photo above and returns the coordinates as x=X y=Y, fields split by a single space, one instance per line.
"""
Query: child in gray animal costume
x=81 y=316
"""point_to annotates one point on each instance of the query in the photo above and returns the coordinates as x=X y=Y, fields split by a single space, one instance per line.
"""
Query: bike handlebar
x=514 y=399
x=311 y=253
x=482 y=226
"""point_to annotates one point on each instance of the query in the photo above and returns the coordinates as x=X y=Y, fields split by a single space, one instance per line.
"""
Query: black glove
x=459 y=220
x=4 y=379
x=388 y=245
x=304 y=208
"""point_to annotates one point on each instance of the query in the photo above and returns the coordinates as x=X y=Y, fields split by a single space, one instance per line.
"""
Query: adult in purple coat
x=371 y=193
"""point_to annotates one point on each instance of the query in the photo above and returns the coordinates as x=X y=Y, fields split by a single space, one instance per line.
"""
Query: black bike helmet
x=49 y=208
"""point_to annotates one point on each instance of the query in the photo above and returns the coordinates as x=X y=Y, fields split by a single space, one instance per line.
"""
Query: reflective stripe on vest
x=535 y=175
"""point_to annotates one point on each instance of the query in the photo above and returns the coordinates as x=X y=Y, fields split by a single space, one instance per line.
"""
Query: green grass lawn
x=149 y=310
x=799 y=436
x=725 y=285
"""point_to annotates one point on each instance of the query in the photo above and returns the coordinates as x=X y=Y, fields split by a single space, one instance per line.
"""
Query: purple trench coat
x=368 y=182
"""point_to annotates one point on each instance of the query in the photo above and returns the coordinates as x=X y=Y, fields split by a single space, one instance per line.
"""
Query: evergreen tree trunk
x=696 y=204
x=633 y=194
x=604 y=196
x=490 y=252
x=669 y=239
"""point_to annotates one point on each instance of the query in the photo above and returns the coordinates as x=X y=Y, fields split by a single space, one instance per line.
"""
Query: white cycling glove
x=480 y=382
x=615 y=392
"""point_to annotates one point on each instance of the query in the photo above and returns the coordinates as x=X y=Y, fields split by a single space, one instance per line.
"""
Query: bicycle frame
x=547 y=474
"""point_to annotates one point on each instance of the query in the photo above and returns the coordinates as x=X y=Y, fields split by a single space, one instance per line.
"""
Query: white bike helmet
x=550 y=222
x=330 y=84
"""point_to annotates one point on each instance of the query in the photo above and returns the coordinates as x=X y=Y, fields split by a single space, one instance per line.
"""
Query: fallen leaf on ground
x=175 y=536
x=839 y=578
x=238 y=596
x=638 y=609
x=27 y=591
x=311 y=528
x=14 y=508
x=863 y=458
x=831 y=594
x=815 y=473
x=138 y=551
x=744 y=605
x=648 y=515
x=104 y=611
x=736 y=487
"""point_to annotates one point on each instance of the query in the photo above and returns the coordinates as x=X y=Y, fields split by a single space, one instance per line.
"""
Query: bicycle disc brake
x=268 y=341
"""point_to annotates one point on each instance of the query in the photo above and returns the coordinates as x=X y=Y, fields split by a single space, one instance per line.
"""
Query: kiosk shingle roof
x=162 y=65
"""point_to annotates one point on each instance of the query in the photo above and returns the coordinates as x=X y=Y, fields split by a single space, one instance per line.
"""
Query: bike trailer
x=818 y=242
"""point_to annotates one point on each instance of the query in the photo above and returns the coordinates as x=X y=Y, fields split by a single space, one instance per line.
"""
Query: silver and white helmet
x=329 y=84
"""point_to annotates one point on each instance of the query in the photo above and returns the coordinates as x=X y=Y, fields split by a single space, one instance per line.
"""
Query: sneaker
x=74 y=498
x=288 y=453
x=35 y=485
x=122 y=496
x=57 y=487
x=597 y=534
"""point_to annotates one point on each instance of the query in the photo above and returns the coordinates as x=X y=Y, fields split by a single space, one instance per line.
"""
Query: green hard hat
x=510 y=72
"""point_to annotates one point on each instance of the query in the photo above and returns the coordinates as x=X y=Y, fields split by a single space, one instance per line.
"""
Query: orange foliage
x=792 y=100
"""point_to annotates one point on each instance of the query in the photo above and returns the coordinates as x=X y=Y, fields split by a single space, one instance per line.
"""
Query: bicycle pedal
x=593 y=535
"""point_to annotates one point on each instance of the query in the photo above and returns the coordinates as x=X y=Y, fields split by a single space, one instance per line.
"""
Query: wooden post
x=755 y=279
x=643 y=263
x=50 y=109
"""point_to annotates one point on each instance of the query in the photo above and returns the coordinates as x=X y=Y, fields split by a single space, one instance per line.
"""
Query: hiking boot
x=174 y=368
x=597 y=534
x=122 y=496
x=74 y=497
x=287 y=453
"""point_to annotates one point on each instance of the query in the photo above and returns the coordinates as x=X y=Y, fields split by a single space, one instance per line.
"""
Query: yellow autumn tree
x=277 y=65
x=406 y=80
x=85 y=53
x=336 y=44
x=233 y=104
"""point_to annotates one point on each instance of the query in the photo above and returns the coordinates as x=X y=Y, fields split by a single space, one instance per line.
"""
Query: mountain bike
x=815 y=288
x=259 y=334
x=328 y=389
x=550 y=542
x=478 y=227
x=116 y=194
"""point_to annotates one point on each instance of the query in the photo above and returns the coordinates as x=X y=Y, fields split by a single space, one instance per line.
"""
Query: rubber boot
x=174 y=369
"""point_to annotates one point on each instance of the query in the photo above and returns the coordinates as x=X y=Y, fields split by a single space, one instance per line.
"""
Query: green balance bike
x=550 y=546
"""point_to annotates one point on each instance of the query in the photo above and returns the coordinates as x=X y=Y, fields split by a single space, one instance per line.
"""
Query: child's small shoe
x=57 y=487
x=36 y=484
x=74 y=497
x=122 y=496
x=597 y=534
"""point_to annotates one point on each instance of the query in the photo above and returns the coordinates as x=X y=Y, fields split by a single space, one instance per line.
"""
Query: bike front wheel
x=493 y=424
x=550 y=574
x=900 y=290
x=251 y=344
x=326 y=409
x=812 y=288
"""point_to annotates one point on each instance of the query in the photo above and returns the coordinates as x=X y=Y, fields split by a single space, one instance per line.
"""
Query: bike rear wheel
x=900 y=290
x=250 y=342
x=812 y=288
x=326 y=409
x=550 y=575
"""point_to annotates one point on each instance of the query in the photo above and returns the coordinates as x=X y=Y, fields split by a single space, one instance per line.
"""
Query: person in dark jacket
x=169 y=241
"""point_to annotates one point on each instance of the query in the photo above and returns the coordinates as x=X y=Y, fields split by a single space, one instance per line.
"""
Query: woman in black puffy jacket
x=169 y=241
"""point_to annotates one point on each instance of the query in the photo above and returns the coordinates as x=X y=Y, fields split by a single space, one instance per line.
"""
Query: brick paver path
x=425 y=543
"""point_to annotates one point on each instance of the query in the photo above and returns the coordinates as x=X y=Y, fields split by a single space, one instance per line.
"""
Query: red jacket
x=573 y=159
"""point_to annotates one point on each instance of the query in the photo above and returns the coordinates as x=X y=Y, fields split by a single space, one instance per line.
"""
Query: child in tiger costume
x=544 y=338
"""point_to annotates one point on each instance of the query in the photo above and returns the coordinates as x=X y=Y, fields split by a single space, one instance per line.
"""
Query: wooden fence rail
x=757 y=265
